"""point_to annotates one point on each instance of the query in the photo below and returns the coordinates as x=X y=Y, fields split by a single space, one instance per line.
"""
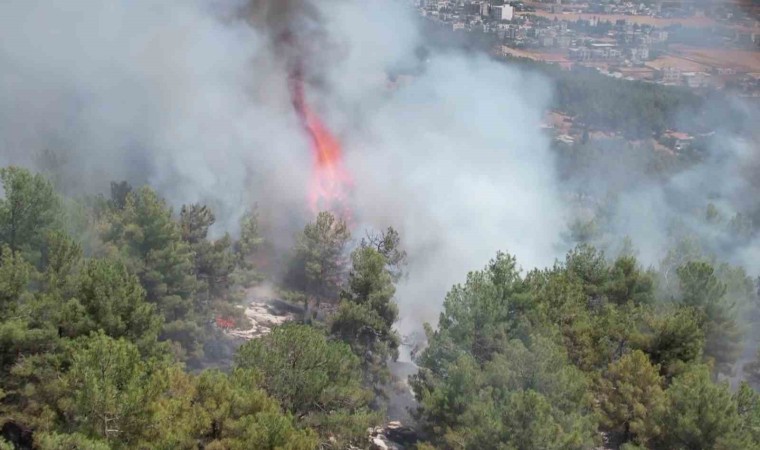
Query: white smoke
x=455 y=159
x=191 y=98
x=162 y=92
x=708 y=209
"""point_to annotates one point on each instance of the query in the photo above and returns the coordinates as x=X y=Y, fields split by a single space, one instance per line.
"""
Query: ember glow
x=330 y=183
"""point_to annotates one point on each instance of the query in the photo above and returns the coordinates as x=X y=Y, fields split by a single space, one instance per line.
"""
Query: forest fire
x=330 y=182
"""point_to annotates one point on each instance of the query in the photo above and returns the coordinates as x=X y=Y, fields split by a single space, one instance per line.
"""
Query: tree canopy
x=109 y=329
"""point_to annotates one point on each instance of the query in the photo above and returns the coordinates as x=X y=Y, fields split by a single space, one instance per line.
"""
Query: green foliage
x=631 y=397
x=154 y=238
x=109 y=393
x=15 y=274
x=702 y=290
x=214 y=261
x=316 y=380
x=699 y=414
x=486 y=381
x=250 y=235
x=223 y=411
x=627 y=283
x=677 y=339
x=636 y=109
x=522 y=420
x=741 y=291
x=109 y=299
x=367 y=313
x=35 y=383
x=583 y=231
x=28 y=209
x=150 y=242
x=589 y=267
x=532 y=424
x=388 y=244
x=526 y=397
x=479 y=316
x=68 y=441
x=248 y=250
x=195 y=221
x=109 y=389
x=318 y=264
x=543 y=360
x=61 y=260
x=511 y=362
x=681 y=252
x=559 y=299
x=748 y=406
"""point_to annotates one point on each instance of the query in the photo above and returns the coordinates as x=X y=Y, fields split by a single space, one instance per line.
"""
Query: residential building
x=504 y=12
x=671 y=74
x=485 y=9
x=579 y=54
x=562 y=41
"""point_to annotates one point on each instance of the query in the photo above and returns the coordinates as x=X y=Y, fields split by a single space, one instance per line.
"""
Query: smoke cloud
x=712 y=202
x=192 y=97
x=455 y=159
x=178 y=94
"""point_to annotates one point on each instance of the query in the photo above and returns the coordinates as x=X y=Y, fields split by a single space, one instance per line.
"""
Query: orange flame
x=330 y=182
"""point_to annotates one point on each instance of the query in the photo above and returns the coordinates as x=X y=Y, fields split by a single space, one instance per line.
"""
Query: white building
x=485 y=9
x=504 y=12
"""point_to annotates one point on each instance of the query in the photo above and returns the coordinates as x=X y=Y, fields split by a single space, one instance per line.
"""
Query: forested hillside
x=359 y=225
x=550 y=358
x=109 y=304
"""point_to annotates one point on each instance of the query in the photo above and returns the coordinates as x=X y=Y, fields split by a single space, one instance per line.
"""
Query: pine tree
x=367 y=313
x=631 y=397
x=28 y=209
x=110 y=389
x=150 y=242
x=113 y=301
x=699 y=413
x=316 y=380
x=703 y=291
x=319 y=264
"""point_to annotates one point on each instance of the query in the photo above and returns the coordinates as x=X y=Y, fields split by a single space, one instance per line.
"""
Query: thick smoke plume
x=192 y=97
x=179 y=94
